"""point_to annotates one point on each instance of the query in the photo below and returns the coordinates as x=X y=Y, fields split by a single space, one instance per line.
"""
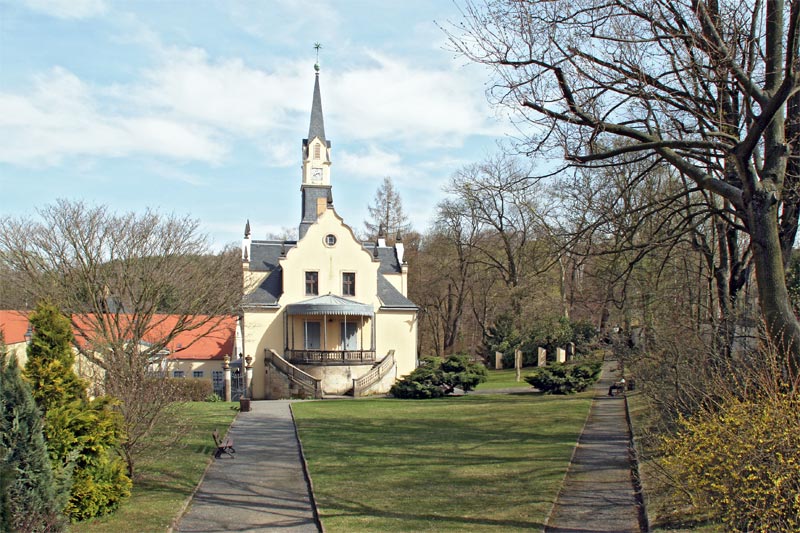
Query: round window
x=330 y=239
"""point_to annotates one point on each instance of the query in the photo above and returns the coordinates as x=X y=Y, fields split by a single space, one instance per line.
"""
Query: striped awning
x=330 y=305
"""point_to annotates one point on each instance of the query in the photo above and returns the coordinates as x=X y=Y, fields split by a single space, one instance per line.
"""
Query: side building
x=326 y=314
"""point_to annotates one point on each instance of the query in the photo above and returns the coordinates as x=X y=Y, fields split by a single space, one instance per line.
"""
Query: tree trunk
x=782 y=325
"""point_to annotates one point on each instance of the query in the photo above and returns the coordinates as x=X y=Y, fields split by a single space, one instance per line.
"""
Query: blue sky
x=199 y=107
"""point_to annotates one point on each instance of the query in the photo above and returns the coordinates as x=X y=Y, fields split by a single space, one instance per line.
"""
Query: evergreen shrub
x=435 y=377
x=83 y=436
x=30 y=497
x=558 y=378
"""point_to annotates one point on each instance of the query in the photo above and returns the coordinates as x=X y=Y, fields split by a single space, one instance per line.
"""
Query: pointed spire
x=317 y=126
x=247 y=229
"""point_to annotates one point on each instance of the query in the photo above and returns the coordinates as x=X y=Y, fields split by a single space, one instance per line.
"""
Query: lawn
x=472 y=463
x=167 y=480
x=505 y=379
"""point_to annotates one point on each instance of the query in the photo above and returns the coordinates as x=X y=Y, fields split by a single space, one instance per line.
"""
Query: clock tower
x=316 y=185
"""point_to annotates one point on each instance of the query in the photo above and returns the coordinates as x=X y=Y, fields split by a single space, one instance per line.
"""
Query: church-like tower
x=316 y=185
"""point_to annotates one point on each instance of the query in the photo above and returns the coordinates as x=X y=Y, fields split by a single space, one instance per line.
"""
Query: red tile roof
x=14 y=324
x=210 y=340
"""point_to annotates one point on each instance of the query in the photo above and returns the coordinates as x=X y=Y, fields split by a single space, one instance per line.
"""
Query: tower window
x=349 y=283
x=330 y=239
x=316 y=151
x=312 y=283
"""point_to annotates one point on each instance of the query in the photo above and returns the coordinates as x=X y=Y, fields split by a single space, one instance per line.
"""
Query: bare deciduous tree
x=131 y=283
x=701 y=85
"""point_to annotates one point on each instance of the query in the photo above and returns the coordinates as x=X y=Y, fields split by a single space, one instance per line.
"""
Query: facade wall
x=312 y=254
x=263 y=329
x=397 y=330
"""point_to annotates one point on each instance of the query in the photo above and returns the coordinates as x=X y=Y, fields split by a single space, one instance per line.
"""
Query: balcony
x=331 y=357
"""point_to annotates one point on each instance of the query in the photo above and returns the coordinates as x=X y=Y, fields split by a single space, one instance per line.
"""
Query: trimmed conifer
x=31 y=499
x=83 y=435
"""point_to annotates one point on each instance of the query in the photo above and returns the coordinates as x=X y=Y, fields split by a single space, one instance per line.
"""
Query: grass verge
x=472 y=463
x=505 y=379
x=165 y=481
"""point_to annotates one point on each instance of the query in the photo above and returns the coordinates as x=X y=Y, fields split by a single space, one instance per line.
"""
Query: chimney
x=399 y=249
x=322 y=205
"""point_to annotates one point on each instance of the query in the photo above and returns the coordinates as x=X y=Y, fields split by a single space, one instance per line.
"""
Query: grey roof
x=264 y=255
x=329 y=304
x=268 y=293
x=389 y=263
x=391 y=297
x=317 y=126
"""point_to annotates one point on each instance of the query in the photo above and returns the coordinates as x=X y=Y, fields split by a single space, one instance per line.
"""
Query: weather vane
x=317 y=46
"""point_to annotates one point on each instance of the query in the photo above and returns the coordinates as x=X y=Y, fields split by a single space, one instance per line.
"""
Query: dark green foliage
x=504 y=337
x=462 y=372
x=565 y=379
x=548 y=333
x=30 y=499
x=435 y=378
x=424 y=382
x=82 y=435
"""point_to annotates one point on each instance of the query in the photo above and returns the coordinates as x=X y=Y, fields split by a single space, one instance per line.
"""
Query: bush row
x=558 y=378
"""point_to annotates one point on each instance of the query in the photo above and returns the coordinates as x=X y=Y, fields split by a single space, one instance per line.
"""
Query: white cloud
x=61 y=117
x=68 y=9
x=395 y=101
x=373 y=164
x=224 y=94
x=189 y=106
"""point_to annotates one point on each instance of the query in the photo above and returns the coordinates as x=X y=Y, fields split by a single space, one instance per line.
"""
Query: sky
x=199 y=107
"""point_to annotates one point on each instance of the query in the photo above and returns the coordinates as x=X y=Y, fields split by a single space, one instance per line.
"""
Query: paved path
x=263 y=488
x=598 y=494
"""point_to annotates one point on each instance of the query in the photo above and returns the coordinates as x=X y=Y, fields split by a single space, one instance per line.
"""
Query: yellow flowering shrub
x=742 y=462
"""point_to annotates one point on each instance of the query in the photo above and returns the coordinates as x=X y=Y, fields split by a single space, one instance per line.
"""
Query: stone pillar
x=542 y=356
x=570 y=351
x=561 y=355
x=226 y=368
x=248 y=376
x=518 y=364
x=498 y=360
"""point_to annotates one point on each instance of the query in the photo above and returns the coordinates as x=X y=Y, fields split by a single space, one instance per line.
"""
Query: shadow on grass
x=353 y=508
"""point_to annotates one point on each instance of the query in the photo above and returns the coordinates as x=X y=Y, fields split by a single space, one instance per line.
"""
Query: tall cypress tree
x=30 y=499
x=49 y=369
x=82 y=435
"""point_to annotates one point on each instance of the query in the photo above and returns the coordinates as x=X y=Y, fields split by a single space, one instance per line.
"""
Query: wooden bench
x=223 y=447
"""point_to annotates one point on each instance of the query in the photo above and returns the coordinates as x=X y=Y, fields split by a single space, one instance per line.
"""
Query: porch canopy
x=330 y=304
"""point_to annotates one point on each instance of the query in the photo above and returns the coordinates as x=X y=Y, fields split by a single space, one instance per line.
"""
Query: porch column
x=226 y=368
x=372 y=342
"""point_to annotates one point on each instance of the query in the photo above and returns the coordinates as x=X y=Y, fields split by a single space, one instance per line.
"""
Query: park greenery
x=83 y=435
x=666 y=232
x=559 y=378
x=436 y=377
x=468 y=463
x=31 y=498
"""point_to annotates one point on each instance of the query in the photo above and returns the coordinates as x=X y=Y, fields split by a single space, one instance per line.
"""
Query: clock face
x=316 y=174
